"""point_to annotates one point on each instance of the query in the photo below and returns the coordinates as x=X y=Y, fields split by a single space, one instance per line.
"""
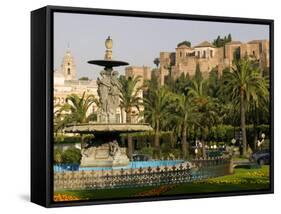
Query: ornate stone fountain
x=105 y=150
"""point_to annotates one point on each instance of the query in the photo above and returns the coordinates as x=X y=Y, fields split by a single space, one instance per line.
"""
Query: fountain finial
x=108 y=45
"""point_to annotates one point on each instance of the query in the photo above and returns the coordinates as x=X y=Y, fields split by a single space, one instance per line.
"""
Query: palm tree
x=184 y=115
x=76 y=108
x=197 y=91
x=58 y=118
x=208 y=108
x=156 y=61
x=129 y=95
x=156 y=111
x=256 y=108
x=129 y=98
x=242 y=85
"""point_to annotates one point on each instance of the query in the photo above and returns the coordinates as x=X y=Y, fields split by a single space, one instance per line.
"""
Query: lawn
x=241 y=180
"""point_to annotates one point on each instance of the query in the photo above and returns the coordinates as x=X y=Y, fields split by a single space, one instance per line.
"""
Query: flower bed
x=63 y=197
x=156 y=191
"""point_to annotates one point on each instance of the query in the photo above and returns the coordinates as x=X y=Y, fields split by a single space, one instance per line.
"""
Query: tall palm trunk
x=128 y=116
x=157 y=140
x=183 y=142
x=255 y=122
x=243 y=123
x=129 y=137
x=130 y=146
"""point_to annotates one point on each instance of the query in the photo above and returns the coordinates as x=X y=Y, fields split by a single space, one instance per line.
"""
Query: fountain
x=106 y=151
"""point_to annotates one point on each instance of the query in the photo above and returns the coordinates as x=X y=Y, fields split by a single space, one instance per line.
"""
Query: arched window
x=180 y=54
x=204 y=54
x=211 y=54
x=68 y=71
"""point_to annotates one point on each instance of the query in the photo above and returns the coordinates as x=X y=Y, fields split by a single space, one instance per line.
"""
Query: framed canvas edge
x=50 y=9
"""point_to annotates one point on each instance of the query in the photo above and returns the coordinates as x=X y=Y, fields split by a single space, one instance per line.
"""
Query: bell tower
x=68 y=66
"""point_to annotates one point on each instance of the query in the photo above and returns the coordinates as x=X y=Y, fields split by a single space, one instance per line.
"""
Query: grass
x=241 y=180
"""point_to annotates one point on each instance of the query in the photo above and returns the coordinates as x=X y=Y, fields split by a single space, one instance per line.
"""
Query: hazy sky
x=135 y=40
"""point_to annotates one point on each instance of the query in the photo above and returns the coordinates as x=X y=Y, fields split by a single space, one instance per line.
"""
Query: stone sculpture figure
x=104 y=85
x=108 y=91
x=113 y=148
x=114 y=90
x=107 y=154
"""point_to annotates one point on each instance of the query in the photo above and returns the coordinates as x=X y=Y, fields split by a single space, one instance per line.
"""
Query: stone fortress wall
x=207 y=57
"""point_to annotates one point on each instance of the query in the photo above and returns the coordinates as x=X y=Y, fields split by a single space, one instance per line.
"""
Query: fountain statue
x=105 y=151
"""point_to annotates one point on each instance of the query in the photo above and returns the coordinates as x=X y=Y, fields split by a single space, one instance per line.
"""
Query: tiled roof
x=204 y=44
x=234 y=43
x=255 y=41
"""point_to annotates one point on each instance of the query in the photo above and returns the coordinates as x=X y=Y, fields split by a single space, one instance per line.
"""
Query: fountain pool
x=132 y=164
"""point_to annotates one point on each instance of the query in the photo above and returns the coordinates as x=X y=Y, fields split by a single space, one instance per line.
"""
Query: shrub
x=57 y=155
x=147 y=151
x=225 y=133
x=71 y=156
x=167 y=151
x=142 y=139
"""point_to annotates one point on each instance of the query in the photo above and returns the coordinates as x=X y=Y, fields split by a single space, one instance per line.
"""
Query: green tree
x=187 y=43
x=129 y=95
x=76 y=108
x=208 y=109
x=258 y=107
x=129 y=99
x=198 y=90
x=156 y=61
x=198 y=74
x=214 y=84
x=244 y=84
x=71 y=156
x=58 y=155
x=182 y=84
x=219 y=42
x=156 y=110
x=169 y=80
x=229 y=38
x=183 y=113
x=58 y=118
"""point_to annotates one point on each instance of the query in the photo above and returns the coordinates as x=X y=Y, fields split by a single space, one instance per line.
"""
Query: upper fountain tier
x=108 y=62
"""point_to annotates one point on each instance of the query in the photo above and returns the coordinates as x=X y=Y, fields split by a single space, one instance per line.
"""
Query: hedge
x=220 y=133
x=145 y=139
x=226 y=132
x=71 y=156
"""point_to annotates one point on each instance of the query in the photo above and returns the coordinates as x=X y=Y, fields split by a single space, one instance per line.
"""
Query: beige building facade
x=66 y=83
x=208 y=57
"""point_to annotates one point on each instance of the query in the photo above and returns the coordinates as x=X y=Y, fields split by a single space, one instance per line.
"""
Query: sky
x=135 y=40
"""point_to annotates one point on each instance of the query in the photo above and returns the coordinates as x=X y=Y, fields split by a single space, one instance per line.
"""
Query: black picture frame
x=42 y=101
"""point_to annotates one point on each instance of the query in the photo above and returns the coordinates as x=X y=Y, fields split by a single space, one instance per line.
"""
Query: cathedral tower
x=68 y=66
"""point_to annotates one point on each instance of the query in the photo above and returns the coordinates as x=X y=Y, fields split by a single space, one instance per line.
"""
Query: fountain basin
x=93 y=128
x=106 y=152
